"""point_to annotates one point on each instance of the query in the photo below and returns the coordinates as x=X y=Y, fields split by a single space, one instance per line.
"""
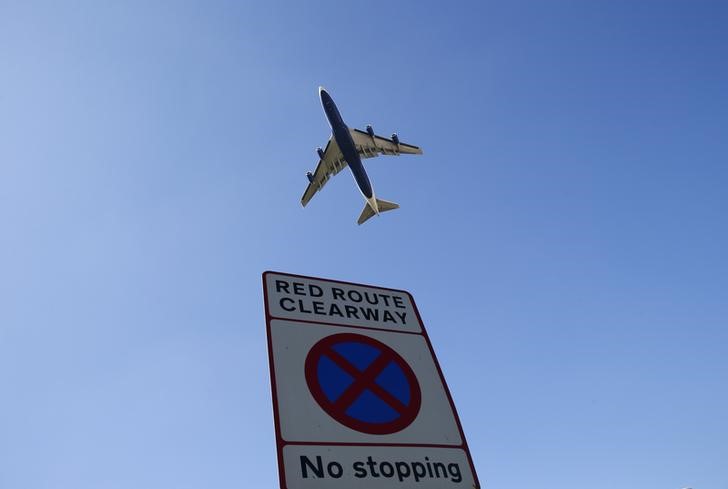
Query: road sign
x=358 y=396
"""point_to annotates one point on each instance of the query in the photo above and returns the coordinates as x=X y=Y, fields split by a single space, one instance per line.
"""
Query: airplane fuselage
x=346 y=144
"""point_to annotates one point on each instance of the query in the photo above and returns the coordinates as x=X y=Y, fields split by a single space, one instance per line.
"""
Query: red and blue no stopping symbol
x=363 y=383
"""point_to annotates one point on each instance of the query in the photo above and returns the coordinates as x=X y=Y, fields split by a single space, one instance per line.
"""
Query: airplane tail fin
x=383 y=206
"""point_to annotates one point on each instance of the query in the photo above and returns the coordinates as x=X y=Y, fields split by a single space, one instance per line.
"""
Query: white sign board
x=359 y=399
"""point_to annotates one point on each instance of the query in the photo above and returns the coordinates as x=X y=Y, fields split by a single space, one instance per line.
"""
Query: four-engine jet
x=349 y=146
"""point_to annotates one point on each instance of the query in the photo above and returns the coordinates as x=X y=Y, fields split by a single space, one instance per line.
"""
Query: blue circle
x=368 y=406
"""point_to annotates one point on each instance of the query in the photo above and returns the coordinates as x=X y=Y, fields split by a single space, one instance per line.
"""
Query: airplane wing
x=370 y=146
x=331 y=164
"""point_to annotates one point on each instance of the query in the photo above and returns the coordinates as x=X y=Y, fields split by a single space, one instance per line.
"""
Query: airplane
x=346 y=147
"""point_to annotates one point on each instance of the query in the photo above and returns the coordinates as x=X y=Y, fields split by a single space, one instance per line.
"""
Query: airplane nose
x=324 y=95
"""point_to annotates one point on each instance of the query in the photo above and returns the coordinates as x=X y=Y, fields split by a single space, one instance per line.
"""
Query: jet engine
x=320 y=153
x=370 y=130
x=309 y=175
x=395 y=138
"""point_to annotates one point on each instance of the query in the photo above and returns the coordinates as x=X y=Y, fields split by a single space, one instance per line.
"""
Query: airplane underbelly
x=346 y=145
x=361 y=177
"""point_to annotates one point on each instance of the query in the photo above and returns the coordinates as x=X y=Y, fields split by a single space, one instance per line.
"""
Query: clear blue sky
x=564 y=235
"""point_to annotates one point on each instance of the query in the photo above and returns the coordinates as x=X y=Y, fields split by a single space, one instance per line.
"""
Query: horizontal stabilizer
x=382 y=205
x=386 y=205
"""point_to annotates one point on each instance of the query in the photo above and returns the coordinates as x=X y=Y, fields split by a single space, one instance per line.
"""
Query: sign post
x=359 y=400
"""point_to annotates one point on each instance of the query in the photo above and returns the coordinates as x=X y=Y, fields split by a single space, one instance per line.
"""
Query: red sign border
x=280 y=442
